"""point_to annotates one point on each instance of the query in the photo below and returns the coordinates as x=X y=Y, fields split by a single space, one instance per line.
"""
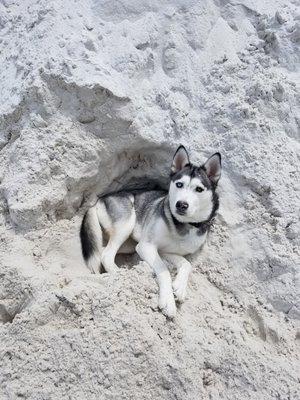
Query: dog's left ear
x=180 y=159
x=213 y=167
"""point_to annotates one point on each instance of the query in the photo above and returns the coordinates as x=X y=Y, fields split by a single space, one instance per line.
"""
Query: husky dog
x=164 y=224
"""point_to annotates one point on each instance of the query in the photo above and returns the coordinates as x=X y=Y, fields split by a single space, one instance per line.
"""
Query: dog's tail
x=91 y=240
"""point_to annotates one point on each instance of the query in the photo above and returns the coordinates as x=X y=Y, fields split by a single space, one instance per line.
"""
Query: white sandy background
x=94 y=92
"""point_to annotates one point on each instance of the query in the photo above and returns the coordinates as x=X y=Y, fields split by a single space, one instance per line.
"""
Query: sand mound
x=94 y=93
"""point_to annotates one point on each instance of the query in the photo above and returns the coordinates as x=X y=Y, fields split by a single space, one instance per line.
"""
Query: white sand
x=93 y=92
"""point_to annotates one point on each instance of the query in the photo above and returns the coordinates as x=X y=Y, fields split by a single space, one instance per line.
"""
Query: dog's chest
x=181 y=244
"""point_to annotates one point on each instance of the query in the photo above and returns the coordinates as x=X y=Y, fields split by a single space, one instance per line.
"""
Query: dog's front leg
x=148 y=252
x=184 y=268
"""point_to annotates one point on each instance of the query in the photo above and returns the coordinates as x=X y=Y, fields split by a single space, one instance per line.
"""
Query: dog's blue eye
x=199 y=189
x=179 y=184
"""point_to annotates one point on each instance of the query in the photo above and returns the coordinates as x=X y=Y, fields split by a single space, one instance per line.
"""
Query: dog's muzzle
x=181 y=207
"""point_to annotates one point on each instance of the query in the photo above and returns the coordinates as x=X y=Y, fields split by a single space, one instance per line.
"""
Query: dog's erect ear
x=213 y=167
x=180 y=160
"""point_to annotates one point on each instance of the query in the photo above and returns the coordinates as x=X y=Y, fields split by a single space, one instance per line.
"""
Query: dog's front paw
x=167 y=305
x=179 y=288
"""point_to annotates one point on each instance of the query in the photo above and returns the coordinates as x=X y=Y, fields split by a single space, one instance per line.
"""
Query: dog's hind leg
x=183 y=271
x=118 y=234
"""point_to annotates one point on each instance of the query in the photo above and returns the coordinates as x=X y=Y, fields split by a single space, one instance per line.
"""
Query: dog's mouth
x=181 y=212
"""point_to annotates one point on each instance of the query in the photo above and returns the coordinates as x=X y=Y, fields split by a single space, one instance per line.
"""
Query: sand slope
x=96 y=92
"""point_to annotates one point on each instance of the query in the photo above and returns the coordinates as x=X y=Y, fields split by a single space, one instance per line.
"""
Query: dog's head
x=192 y=188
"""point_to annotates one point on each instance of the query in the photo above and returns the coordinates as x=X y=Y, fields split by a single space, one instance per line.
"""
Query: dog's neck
x=202 y=226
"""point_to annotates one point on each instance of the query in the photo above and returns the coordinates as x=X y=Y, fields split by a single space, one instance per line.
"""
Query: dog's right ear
x=180 y=159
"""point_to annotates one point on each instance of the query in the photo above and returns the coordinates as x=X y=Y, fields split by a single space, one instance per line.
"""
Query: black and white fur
x=162 y=225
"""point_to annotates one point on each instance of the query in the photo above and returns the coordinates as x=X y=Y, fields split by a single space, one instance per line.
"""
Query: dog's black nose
x=182 y=205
